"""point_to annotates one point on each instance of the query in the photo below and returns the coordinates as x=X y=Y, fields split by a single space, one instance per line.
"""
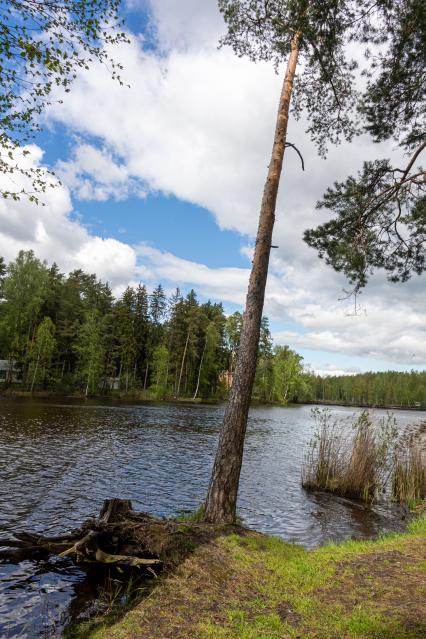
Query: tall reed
x=354 y=466
x=409 y=476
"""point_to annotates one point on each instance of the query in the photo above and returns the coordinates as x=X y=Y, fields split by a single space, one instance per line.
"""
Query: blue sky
x=162 y=182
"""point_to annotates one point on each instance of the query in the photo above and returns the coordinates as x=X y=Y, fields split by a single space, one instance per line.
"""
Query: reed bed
x=351 y=462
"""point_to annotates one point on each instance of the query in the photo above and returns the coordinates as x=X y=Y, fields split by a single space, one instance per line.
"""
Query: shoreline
x=145 y=397
x=320 y=402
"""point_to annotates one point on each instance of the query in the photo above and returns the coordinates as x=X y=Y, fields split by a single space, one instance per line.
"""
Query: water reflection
x=59 y=461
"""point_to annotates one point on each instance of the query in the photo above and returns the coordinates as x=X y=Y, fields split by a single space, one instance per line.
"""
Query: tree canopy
x=379 y=216
x=43 y=45
x=324 y=87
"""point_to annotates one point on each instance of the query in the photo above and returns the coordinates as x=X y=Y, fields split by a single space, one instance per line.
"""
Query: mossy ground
x=250 y=586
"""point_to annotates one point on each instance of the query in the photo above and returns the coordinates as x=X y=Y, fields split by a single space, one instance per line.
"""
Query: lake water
x=59 y=461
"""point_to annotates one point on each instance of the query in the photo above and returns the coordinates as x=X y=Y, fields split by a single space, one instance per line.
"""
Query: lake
x=60 y=460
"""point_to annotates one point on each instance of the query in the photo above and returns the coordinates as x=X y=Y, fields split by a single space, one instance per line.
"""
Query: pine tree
x=316 y=34
x=141 y=330
x=127 y=345
x=379 y=216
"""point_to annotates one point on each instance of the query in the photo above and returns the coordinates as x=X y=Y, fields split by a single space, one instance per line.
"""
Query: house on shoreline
x=10 y=372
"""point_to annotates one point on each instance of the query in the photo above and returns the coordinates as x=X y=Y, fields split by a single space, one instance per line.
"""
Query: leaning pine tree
x=312 y=37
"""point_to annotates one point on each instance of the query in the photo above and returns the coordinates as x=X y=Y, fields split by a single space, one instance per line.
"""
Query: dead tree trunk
x=183 y=362
x=199 y=370
x=222 y=494
x=35 y=372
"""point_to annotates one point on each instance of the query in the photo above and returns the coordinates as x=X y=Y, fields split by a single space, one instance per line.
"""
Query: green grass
x=192 y=517
x=259 y=587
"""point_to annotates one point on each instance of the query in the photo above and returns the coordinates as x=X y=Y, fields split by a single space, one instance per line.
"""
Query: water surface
x=59 y=461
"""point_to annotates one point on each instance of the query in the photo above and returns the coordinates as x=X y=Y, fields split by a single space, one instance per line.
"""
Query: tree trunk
x=199 y=370
x=222 y=494
x=146 y=376
x=35 y=373
x=182 y=364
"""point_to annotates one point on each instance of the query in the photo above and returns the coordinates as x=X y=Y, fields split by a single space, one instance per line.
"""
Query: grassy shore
x=251 y=586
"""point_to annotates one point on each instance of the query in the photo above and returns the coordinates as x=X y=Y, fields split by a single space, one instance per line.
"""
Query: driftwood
x=119 y=537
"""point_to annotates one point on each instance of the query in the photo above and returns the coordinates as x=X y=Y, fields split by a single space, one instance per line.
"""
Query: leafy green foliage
x=394 y=100
x=43 y=45
x=380 y=222
x=160 y=367
x=41 y=352
x=90 y=354
x=380 y=216
x=289 y=379
x=68 y=333
x=325 y=88
x=138 y=342
x=24 y=289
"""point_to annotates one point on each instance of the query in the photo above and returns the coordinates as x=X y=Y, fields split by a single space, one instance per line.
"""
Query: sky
x=161 y=181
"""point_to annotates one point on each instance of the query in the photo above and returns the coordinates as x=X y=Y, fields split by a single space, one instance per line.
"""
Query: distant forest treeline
x=390 y=388
x=67 y=334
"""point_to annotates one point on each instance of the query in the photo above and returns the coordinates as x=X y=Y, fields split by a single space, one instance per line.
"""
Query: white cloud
x=50 y=232
x=182 y=127
x=391 y=329
x=398 y=336
x=92 y=174
x=331 y=370
x=187 y=24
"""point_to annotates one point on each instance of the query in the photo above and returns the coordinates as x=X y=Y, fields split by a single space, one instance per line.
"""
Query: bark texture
x=221 y=500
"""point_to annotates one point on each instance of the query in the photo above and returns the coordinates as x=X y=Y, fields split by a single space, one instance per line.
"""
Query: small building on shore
x=226 y=378
x=10 y=372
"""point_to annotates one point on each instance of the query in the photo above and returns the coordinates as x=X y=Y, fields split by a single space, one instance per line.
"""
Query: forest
x=68 y=335
x=388 y=389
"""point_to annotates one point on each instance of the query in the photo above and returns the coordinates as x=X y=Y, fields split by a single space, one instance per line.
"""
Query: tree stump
x=120 y=537
x=102 y=540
